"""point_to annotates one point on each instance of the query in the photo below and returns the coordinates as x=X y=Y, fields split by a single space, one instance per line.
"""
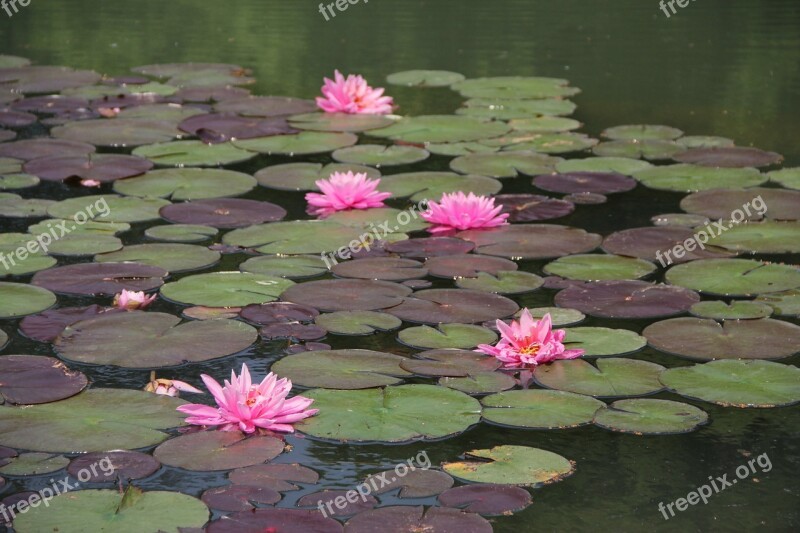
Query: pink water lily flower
x=90 y=183
x=345 y=190
x=131 y=300
x=353 y=95
x=169 y=387
x=458 y=211
x=242 y=405
x=528 y=343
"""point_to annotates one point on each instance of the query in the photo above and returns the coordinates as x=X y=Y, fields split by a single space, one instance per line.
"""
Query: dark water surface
x=729 y=68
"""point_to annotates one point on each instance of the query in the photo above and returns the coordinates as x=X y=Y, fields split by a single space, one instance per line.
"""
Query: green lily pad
x=9 y=244
x=107 y=510
x=17 y=299
x=514 y=87
x=120 y=208
x=706 y=339
x=347 y=294
x=12 y=206
x=736 y=310
x=559 y=315
x=647 y=149
x=174 y=113
x=225 y=289
x=460 y=148
x=8 y=61
x=193 y=154
x=446 y=336
x=737 y=383
x=692 y=178
x=612 y=377
x=425 y=78
x=304 y=143
x=33 y=464
x=184 y=233
x=17 y=181
x=371 y=219
x=603 y=342
x=171 y=257
x=704 y=141
x=147 y=340
x=339 y=122
x=734 y=277
x=786 y=303
x=731 y=203
x=641 y=132
x=505 y=164
x=120 y=132
x=357 y=322
x=303 y=176
x=378 y=155
x=621 y=165
x=540 y=409
x=390 y=414
x=503 y=282
x=532 y=241
x=207 y=451
x=554 y=143
x=507 y=109
x=186 y=184
x=441 y=129
x=94 y=420
x=342 y=369
x=595 y=267
x=450 y=363
x=480 y=382
x=82 y=243
x=418 y=186
x=544 y=124
x=651 y=417
x=292 y=266
x=768 y=237
x=511 y=465
x=95 y=227
x=787 y=177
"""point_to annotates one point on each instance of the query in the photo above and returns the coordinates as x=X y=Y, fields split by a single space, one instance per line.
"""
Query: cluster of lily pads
x=160 y=147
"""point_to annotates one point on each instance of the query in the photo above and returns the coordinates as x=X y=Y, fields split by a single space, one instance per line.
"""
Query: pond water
x=728 y=69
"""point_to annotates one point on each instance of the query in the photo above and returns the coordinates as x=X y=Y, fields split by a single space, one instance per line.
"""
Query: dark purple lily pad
x=775 y=204
x=100 y=279
x=347 y=294
x=417 y=483
x=211 y=94
x=46 y=326
x=578 y=182
x=467 y=265
x=331 y=500
x=28 y=149
x=430 y=247
x=265 y=106
x=300 y=332
x=207 y=451
x=126 y=465
x=32 y=379
x=381 y=268
x=648 y=242
x=627 y=299
x=282 y=520
x=532 y=241
x=450 y=363
x=234 y=498
x=229 y=126
x=706 y=339
x=486 y=499
x=98 y=167
x=53 y=104
x=278 y=477
x=223 y=212
x=16 y=119
x=278 y=313
x=731 y=157
x=414 y=519
x=45 y=79
x=586 y=198
x=120 y=132
x=434 y=306
x=533 y=207
x=210 y=313
x=6 y=135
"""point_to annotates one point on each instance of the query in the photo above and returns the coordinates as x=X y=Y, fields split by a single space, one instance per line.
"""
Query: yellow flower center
x=531 y=349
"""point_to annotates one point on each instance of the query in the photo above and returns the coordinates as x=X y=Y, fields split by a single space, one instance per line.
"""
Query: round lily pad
x=787 y=177
x=217 y=450
x=736 y=310
x=768 y=237
x=505 y=164
x=283 y=520
x=704 y=141
x=299 y=237
x=278 y=477
x=595 y=267
x=383 y=268
x=734 y=277
x=480 y=382
x=12 y=206
x=303 y=176
x=603 y=342
x=460 y=148
x=193 y=153
x=511 y=465
x=532 y=241
x=17 y=299
x=33 y=464
x=232 y=498
x=108 y=510
x=95 y=420
x=124 y=465
x=97 y=167
x=467 y=265
x=706 y=339
x=641 y=132
x=184 y=233
x=169 y=112
x=327 y=498
x=652 y=150
x=558 y=315
x=427 y=247
x=533 y=207
x=46 y=326
x=679 y=219
x=32 y=379
x=9 y=61
x=578 y=182
x=785 y=303
x=486 y=499
x=347 y=294
x=223 y=212
x=45 y=78
x=407 y=518
x=753 y=204
x=651 y=417
x=225 y=289
x=424 y=78
x=417 y=483
x=84 y=243
x=441 y=129
x=120 y=132
x=627 y=299
x=10 y=182
x=540 y=409
x=9 y=244
x=731 y=157
x=339 y=122
x=304 y=143
x=265 y=106
x=656 y=244
x=619 y=165
x=550 y=143
x=390 y=414
x=342 y=369
x=357 y=322
x=278 y=313
x=100 y=279
x=292 y=267
x=228 y=126
x=378 y=155
x=446 y=336
x=434 y=306
x=171 y=257
x=148 y=339
x=692 y=178
x=28 y=149
x=612 y=377
x=544 y=124
x=187 y=184
x=369 y=220
x=418 y=186
x=514 y=87
x=117 y=208
x=450 y=363
x=735 y=383
x=502 y=282
x=506 y=109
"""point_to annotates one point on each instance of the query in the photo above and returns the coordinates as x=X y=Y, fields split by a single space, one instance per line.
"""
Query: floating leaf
x=420 y=186
x=612 y=377
x=45 y=79
x=441 y=129
x=32 y=379
x=283 y=520
x=406 y=518
x=651 y=417
x=10 y=261
x=511 y=465
x=12 y=206
x=341 y=369
x=619 y=165
x=303 y=176
x=379 y=155
x=460 y=148
x=503 y=282
x=226 y=289
x=704 y=141
x=383 y=268
x=532 y=241
x=17 y=181
x=100 y=279
x=506 y=109
x=193 y=153
x=424 y=78
x=28 y=149
x=736 y=310
x=656 y=244
x=265 y=106
x=446 y=336
x=229 y=126
x=578 y=182
x=97 y=167
x=627 y=299
x=480 y=383
x=787 y=177
x=171 y=257
x=33 y=464
x=357 y=322
x=17 y=299
x=734 y=277
x=232 y=498
x=292 y=267
x=595 y=267
x=514 y=87
x=339 y=122
x=641 y=132
x=486 y=499
x=120 y=132
x=278 y=477
x=533 y=207
x=540 y=409
x=300 y=237
x=559 y=315
x=768 y=237
x=679 y=219
x=647 y=149
x=119 y=208
x=217 y=450
x=732 y=157
x=304 y=143
x=427 y=247
x=347 y=294
x=434 y=306
x=327 y=497
x=45 y=327
x=223 y=212
x=786 y=303
x=505 y=164
x=777 y=204
x=544 y=124
x=602 y=342
x=123 y=465
x=418 y=483
x=450 y=363
x=691 y=178
x=187 y=184
x=185 y=233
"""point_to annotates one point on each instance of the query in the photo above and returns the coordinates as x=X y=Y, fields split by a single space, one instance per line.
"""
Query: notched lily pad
x=736 y=310
x=511 y=465
x=461 y=336
x=17 y=299
x=532 y=241
x=100 y=279
x=597 y=267
x=342 y=369
x=187 y=184
x=731 y=157
x=223 y=212
x=540 y=409
x=233 y=498
x=434 y=306
x=32 y=379
x=418 y=483
x=602 y=342
x=505 y=164
x=303 y=176
x=424 y=78
x=193 y=153
x=122 y=465
x=734 y=277
x=487 y=499
x=612 y=377
x=357 y=322
x=33 y=464
x=347 y=294
x=651 y=417
x=627 y=299
x=278 y=477
x=226 y=289
x=207 y=451
x=171 y=257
